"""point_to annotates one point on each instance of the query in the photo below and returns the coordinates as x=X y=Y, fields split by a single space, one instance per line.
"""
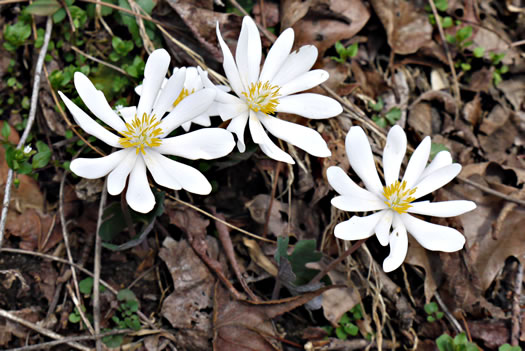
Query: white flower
x=142 y=141
x=27 y=149
x=260 y=94
x=395 y=201
x=192 y=84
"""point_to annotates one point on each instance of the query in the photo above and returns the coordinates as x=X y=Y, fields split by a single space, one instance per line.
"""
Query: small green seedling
x=346 y=326
x=126 y=318
x=383 y=120
x=432 y=311
x=345 y=53
x=459 y=343
x=507 y=347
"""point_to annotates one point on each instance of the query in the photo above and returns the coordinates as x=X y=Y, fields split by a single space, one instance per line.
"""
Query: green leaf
x=393 y=115
x=6 y=130
x=59 y=16
x=24 y=168
x=496 y=58
x=304 y=252
x=496 y=76
x=340 y=333
x=126 y=295
x=43 y=7
x=16 y=35
x=466 y=66
x=435 y=148
x=352 y=50
x=356 y=312
x=450 y=39
x=441 y=5
x=74 y=317
x=344 y=319
x=431 y=308
x=378 y=106
x=86 y=286
x=463 y=33
x=447 y=22
x=439 y=315
x=113 y=341
x=41 y=159
x=460 y=339
x=504 y=69
x=380 y=121
x=339 y=48
x=445 y=343
x=508 y=347
x=431 y=319
x=351 y=329
x=471 y=347
x=282 y=247
x=479 y=52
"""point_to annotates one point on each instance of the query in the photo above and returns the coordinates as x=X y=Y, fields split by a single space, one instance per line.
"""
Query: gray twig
x=96 y=279
x=30 y=121
x=516 y=322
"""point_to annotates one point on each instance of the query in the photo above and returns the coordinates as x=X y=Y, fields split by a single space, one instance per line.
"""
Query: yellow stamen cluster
x=183 y=94
x=398 y=197
x=141 y=132
x=262 y=97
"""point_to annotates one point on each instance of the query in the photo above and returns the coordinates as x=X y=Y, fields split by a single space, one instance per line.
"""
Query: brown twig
x=449 y=315
x=80 y=311
x=492 y=191
x=337 y=261
x=102 y=62
x=449 y=57
x=48 y=345
x=224 y=237
x=516 y=320
x=41 y=330
x=272 y=196
x=98 y=254
x=264 y=31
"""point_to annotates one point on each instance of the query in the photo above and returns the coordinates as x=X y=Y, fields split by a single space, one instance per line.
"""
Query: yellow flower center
x=141 y=133
x=398 y=198
x=262 y=97
x=183 y=94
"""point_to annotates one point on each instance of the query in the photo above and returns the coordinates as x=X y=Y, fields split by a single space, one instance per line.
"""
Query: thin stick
x=65 y=233
x=30 y=121
x=263 y=29
x=492 y=191
x=270 y=205
x=516 y=322
x=79 y=309
x=335 y=262
x=49 y=344
x=41 y=330
x=98 y=253
x=449 y=57
x=102 y=62
x=449 y=315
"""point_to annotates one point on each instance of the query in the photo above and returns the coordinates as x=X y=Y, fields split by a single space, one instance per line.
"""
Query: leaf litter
x=191 y=288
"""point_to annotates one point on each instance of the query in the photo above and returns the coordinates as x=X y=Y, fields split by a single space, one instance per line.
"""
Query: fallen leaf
x=9 y=328
x=407 y=26
x=246 y=326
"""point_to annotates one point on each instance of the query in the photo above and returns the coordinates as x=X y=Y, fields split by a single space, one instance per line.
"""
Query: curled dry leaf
x=187 y=308
x=246 y=326
x=407 y=26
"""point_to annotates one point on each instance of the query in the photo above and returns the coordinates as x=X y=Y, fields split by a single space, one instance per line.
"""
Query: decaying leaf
x=246 y=326
x=8 y=329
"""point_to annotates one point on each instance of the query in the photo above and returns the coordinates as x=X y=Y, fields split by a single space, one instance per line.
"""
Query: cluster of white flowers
x=188 y=96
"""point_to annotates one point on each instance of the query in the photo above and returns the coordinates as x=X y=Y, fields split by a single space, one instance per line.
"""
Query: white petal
x=256 y=129
x=260 y=137
x=230 y=68
x=154 y=73
x=398 y=249
x=169 y=93
x=303 y=137
x=231 y=110
x=344 y=185
x=128 y=113
x=188 y=177
x=277 y=55
x=443 y=208
x=357 y=228
x=393 y=154
x=93 y=168
x=139 y=195
x=193 y=80
x=304 y=82
x=442 y=159
x=248 y=53
x=296 y=63
x=206 y=143
x=436 y=180
x=96 y=102
x=202 y=120
x=237 y=126
x=309 y=105
x=432 y=236
x=161 y=175
x=89 y=125
x=117 y=177
x=190 y=107
x=417 y=163
x=382 y=228
x=361 y=159
x=356 y=204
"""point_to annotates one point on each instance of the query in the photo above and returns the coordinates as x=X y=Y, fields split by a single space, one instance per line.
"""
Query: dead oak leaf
x=245 y=325
x=407 y=27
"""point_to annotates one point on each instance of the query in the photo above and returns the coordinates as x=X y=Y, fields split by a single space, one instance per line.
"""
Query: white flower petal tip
x=393 y=154
x=398 y=249
x=208 y=143
x=139 y=195
x=93 y=168
x=433 y=236
x=355 y=204
x=357 y=228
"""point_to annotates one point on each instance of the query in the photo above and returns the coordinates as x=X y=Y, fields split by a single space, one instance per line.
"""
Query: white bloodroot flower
x=192 y=83
x=143 y=135
x=395 y=200
x=263 y=93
